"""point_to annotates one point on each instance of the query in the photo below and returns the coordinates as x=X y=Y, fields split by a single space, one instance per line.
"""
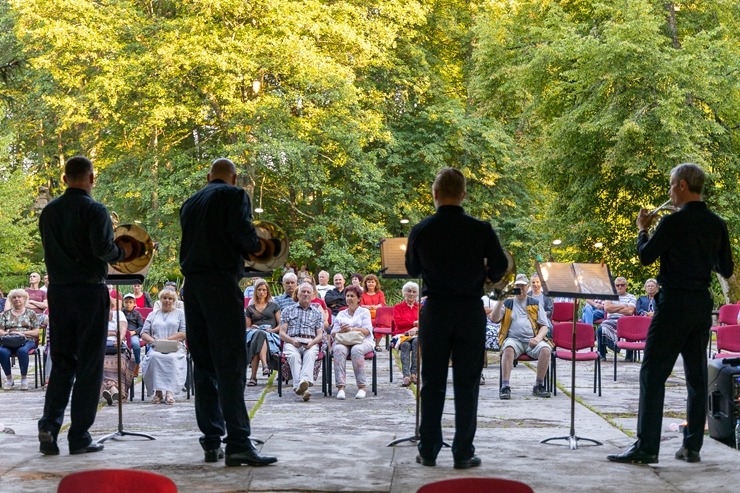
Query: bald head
x=222 y=169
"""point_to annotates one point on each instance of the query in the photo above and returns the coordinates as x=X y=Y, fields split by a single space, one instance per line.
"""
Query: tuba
x=505 y=286
x=275 y=243
x=142 y=248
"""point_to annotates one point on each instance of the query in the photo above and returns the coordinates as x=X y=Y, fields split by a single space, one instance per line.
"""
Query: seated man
x=334 y=298
x=290 y=281
x=523 y=330
x=302 y=330
x=606 y=334
x=646 y=304
x=592 y=310
x=135 y=324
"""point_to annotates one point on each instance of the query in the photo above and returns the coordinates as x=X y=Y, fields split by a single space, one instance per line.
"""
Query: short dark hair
x=692 y=174
x=449 y=183
x=353 y=289
x=77 y=167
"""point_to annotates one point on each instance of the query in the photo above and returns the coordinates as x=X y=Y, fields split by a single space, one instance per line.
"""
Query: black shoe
x=468 y=463
x=688 y=455
x=425 y=462
x=634 y=455
x=505 y=393
x=47 y=443
x=213 y=455
x=250 y=458
x=540 y=391
x=93 y=447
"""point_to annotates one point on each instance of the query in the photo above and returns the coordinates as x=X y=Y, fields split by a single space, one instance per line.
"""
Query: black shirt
x=77 y=235
x=335 y=300
x=448 y=250
x=217 y=230
x=135 y=320
x=690 y=243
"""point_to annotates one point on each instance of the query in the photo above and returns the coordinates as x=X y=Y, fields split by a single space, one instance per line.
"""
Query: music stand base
x=413 y=439
x=122 y=433
x=573 y=441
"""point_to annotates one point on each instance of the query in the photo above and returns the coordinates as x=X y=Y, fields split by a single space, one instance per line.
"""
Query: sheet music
x=393 y=257
x=577 y=280
x=594 y=279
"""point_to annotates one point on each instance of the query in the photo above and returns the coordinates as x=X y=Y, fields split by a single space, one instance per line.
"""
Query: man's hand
x=645 y=219
x=533 y=342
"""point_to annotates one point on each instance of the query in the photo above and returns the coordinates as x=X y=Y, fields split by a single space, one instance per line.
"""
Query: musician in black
x=217 y=235
x=448 y=250
x=690 y=243
x=77 y=235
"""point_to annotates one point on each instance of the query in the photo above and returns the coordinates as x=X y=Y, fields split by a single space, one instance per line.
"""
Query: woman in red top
x=406 y=319
x=372 y=299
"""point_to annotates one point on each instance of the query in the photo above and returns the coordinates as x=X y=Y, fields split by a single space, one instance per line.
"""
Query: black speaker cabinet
x=724 y=399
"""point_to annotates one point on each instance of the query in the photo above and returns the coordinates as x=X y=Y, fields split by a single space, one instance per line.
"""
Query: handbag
x=165 y=346
x=12 y=341
x=349 y=338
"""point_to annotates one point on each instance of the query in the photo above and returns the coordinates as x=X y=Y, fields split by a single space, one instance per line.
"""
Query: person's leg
x=22 y=354
x=358 y=362
x=340 y=365
x=467 y=364
x=508 y=355
x=543 y=362
x=309 y=359
x=694 y=355
x=263 y=354
x=414 y=357
x=436 y=345
x=587 y=316
x=90 y=332
x=5 y=362
x=136 y=348
x=404 y=350
x=294 y=357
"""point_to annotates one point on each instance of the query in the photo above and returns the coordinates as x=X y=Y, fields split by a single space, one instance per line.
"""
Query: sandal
x=266 y=371
x=169 y=399
x=406 y=382
x=378 y=349
x=413 y=379
x=157 y=397
x=252 y=382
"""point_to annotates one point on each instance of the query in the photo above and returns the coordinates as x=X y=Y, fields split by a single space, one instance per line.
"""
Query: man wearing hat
x=523 y=330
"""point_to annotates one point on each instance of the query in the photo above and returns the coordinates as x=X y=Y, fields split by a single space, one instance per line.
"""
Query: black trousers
x=680 y=326
x=78 y=317
x=216 y=334
x=450 y=328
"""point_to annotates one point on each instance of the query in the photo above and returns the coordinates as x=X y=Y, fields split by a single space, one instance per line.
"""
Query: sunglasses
x=620 y=285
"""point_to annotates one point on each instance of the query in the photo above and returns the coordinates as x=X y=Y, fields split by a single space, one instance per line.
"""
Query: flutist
x=690 y=243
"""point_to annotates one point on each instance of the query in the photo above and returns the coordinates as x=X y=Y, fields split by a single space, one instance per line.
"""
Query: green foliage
x=19 y=230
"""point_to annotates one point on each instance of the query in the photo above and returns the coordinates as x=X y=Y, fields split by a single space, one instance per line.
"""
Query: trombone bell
x=143 y=249
x=276 y=246
x=505 y=286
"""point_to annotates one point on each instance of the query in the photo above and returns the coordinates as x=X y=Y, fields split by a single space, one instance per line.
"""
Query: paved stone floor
x=331 y=445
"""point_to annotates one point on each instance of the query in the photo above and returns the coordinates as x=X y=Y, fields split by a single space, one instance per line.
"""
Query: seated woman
x=263 y=318
x=372 y=299
x=164 y=371
x=406 y=318
x=354 y=319
x=21 y=322
x=109 y=387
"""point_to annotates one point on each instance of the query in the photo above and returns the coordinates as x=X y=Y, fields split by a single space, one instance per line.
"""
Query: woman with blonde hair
x=20 y=326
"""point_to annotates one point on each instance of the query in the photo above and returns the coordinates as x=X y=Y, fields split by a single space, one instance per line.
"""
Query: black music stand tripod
x=119 y=279
x=575 y=281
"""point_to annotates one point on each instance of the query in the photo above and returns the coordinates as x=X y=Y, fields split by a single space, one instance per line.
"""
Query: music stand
x=117 y=281
x=393 y=266
x=575 y=281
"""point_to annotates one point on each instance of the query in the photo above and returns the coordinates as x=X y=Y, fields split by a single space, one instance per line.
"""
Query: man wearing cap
x=453 y=253
x=135 y=324
x=523 y=330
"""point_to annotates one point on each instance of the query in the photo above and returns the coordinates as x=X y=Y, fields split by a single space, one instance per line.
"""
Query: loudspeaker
x=723 y=408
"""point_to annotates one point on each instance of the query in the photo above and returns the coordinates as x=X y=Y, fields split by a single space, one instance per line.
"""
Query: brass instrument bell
x=275 y=241
x=142 y=246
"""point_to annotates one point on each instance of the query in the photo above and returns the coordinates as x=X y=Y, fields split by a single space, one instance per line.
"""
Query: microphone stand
x=120 y=433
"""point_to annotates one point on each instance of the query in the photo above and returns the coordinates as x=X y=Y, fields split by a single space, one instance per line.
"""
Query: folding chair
x=562 y=337
x=632 y=333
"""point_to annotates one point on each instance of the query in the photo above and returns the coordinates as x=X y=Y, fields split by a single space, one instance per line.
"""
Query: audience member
x=20 y=321
x=249 y=290
x=606 y=334
x=356 y=279
x=171 y=286
x=592 y=310
x=301 y=330
x=545 y=301
x=135 y=324
x=523 y=330
x=290 y=281
x=323 y=286
x=406 y=319
x=334 y=298
x=143 y=300
x=164 y=370
x=263 y=318
x=117 y=326
x=646 y=304
x=45 y=287
x=36 y=297
x=355 y=319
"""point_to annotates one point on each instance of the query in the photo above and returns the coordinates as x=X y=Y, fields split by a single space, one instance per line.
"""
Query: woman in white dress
x=164 y=370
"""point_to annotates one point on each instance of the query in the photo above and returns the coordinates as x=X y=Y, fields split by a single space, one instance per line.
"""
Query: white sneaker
x=302 y=387
x=340 y=395
x=24 y=385
x=306 y=395
x=360 y=394
x=8 y=384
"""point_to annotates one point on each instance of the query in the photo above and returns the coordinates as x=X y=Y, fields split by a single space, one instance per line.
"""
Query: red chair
x=562 y=311
x=144 y=312
x=728 y=315
x=247 y=299
x=562 y=337
x=728 y=341
x=476 y=485
x=632 y=333
x=384 y=326
x=116 y=481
